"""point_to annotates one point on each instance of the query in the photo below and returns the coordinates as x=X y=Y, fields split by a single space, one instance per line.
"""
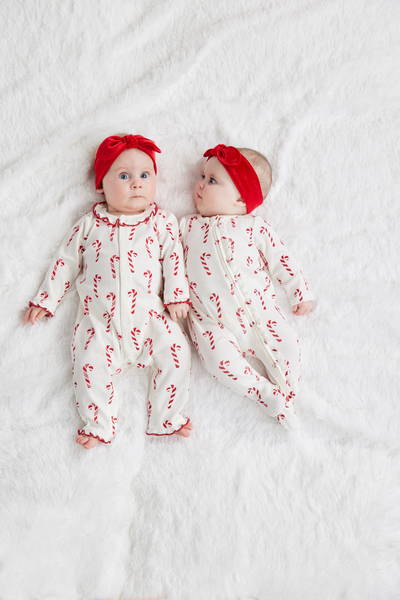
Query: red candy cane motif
x=131 y=254
x=59 y=263
x=271 y=325
x=177 y=292
x=185 y=254
x=233 y=222
x=215 y=298
x=261 y=298
x=171 y=389
x=284 y=260
x=84 y=279
x=97 y=245
x=235 y=346
x=87 y=369
x=111 y=296
x=231 y=244
x=203 y=258
x=134 y=333
x=74 y=232
x=264 y=259
x=90 y=332
x=193 y=287
x=43 y=296
x=107 y=317
x=211 y=338
x=206 y=228
x=249 y=231
x=299 y=294
x=155 y=378
x=223 y=366
x=264 y=230
x=153 y=313
x=167 y=424
x=169 y=229
x=147 y=243
x=133 y=294
x=96 y=280
x=191 y=223
x=198 y=315
x=156 y=230
x=95 y=410
x=149 y=343
x=113 y=260
x=249 y=371
x=109 y=351
x=257 y=392
x=132 y=233
x=239 y=312
x=305 y=282
x=175 y=348
x=86 y=304
x=114 y=422
x=174 y=256
x=150 y=276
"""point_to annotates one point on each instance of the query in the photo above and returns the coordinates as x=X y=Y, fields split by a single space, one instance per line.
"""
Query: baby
x=127 y=261
x=230 y=258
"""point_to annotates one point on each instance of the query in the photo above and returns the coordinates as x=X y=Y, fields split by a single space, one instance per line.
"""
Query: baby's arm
x=34 y=313
x=282 y=265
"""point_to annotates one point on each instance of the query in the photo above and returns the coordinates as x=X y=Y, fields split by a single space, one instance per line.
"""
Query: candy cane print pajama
x=229 y=263
x=127 y=269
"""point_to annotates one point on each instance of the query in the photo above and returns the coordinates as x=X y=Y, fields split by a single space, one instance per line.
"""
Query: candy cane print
x=153 y=313
x=147 y=243
x=86 y=304
x=289 y=397
x=118 y=371
x=90 y=332
x=107 y=317
x=175 y=348
x=59 y=263
x=149 y=408
x=271 y=325
x=185 y=254
x=150 y=276
x=74 y=232
x=284 y=260
x=177 y=292
x=132 y=233
x=267 y=284
x=87 y=368
x=109 y=351
x=231 y=244
x=191 y=223
x=149 y=343
x=43 y=296
x=96 y=280
x=84 y=279
x=134 y=333
x=249 y=231
x=131 y=254
x=198 y=315
x=111 y=296
x=235 y=346
x=112 y=229
x=239 y=312
x=222 y=365
x=133 y=294
x=264 y=260
x=114 y=422
x=193 y=287
x=299 y=294
x=215 y=298
x=169 y=229
x=305 y=282
x=264 y=230
x=206 y=228
x=211 y=338
x=67 y=285
x=261 y=298
x=167 y=424
x=156 y=230
x=95 y=410
x=140 y=366
x=155 y=378
x=171 y=389
x=97 y=245
x=249 y=371
x=175 y=257
x=205 y=256
x=113 y=260
x=257 y=393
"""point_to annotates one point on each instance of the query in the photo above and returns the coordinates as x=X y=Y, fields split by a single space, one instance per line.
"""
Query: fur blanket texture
x=243 y=509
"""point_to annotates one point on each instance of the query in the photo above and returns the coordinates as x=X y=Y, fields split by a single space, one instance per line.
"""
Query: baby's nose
x=136 y=182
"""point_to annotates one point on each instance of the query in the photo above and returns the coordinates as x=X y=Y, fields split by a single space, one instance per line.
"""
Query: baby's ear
x=100 y=189
x=241 y=202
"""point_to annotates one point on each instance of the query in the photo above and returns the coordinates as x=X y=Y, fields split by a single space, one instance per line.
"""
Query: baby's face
x=216 y=194
x=129 y=186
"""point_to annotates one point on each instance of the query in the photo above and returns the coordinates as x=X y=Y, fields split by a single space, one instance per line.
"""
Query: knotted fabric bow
x=113 y=146
x=241 y=172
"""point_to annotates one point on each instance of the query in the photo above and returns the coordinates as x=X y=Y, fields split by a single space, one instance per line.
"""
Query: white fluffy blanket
x=243 y=509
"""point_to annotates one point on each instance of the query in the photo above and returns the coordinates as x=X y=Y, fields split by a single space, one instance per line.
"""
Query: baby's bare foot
x=186 y=429
x=87 y=441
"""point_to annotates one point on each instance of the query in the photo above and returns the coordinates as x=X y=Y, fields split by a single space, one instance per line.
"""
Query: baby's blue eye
x=212 y=180
x=124 y=176
x=144 y=175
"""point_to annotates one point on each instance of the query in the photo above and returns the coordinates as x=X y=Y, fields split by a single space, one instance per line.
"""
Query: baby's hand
x=33 y=314
x=302 y=309
x=178 y=310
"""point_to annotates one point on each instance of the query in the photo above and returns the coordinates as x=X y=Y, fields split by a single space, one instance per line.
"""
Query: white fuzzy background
x=243 y=509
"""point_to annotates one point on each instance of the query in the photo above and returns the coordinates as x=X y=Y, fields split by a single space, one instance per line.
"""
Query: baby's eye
x=202 y=176
x=124 y=176
x=212 y=180
x=144 y=175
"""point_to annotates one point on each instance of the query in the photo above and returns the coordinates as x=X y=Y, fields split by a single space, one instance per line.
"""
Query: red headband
x=241 y=172
x=113 y=146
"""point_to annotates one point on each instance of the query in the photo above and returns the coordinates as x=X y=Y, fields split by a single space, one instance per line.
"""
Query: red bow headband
x=113 y=146
x=241 y=172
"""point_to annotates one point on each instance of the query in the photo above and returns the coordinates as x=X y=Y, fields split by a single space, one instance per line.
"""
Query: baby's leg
x=169 y=388
x=95 y=356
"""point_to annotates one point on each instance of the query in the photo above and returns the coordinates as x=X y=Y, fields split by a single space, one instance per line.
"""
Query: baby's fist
x=303 y=308
x=178 y=310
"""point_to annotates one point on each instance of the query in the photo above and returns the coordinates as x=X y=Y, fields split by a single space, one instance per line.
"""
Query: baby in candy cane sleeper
x=230 y=258
x=127 y=261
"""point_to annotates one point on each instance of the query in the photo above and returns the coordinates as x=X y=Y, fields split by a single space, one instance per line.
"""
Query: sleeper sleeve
x=280 y=263
x=64 y=269
x=175 y=284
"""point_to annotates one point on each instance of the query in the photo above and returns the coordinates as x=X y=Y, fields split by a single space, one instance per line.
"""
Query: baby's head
x=234 y=181
x=125 y=168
